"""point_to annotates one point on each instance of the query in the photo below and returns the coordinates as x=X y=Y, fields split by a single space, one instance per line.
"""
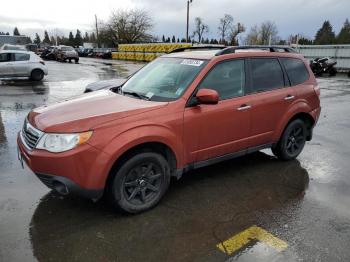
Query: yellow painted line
x=238 y=241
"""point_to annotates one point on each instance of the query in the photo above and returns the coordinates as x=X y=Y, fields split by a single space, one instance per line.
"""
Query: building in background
x=14 y=40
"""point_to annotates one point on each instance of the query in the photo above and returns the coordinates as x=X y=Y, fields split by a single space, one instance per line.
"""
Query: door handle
x=289 y=97
x=243 y=107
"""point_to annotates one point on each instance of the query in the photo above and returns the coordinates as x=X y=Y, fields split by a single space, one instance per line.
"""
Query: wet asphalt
x=304 y=202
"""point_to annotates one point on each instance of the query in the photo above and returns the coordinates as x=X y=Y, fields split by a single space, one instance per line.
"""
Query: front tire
x=292 y=141
x=37 y=75
x=140 y=183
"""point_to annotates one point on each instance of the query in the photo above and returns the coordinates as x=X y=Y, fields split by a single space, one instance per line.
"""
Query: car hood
x=88 y=111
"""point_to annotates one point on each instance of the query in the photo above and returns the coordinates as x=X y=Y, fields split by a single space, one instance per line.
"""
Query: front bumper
x=65 y=186
x=79 y=171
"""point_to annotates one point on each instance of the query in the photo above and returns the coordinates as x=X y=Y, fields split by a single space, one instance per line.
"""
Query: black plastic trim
x=215 y=160
x=49 y=181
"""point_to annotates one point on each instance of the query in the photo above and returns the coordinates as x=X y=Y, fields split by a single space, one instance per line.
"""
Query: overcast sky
x=169 y=16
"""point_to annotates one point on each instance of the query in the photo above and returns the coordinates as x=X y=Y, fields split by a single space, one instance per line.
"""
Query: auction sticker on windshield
x=192 y=62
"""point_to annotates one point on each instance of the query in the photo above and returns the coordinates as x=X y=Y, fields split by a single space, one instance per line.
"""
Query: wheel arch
x=155 y=146
x=299 y=110
x=306 y=117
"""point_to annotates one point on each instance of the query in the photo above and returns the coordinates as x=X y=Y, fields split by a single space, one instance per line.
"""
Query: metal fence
x=340 y=53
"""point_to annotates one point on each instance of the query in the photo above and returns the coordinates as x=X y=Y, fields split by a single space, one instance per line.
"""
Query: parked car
x=182 y=111
x=65 y=53
x=21 y=64
x=49 y=53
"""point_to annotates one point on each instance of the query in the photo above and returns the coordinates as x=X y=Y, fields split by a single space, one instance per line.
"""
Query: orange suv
x=185 y=110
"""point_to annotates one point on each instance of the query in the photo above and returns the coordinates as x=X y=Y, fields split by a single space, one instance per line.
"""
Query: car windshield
x=164 y=79
x=67 y=48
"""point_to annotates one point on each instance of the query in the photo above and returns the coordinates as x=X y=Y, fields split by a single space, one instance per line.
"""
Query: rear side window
x=4 y=57
x=227 y=78
x=21 y=57
x=267 y=74
x=296 y=70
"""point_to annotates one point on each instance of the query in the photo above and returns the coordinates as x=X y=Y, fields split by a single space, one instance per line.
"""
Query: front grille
x=30 y=135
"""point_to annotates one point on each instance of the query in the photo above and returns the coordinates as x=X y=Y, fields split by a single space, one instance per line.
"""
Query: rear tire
x=139 y=183
x=292 y=141
x=37 y=75
x=76 y=60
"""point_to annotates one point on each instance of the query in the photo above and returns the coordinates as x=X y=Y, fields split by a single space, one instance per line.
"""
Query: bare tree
x=225 y=26
x=130 y=26
x=262 y=35
x=234 y=32
x=252 y=37
x=200 y=28
x=268 y=33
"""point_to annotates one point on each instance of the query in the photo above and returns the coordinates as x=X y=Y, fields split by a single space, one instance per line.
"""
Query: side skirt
x=215 y=160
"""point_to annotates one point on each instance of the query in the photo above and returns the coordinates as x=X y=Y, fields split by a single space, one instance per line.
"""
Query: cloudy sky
x=169 y=16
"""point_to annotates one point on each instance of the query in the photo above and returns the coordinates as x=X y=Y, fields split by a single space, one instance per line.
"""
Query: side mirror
x=207 y=96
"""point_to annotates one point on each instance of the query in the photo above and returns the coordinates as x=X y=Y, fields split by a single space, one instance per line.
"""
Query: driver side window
x=227 y=78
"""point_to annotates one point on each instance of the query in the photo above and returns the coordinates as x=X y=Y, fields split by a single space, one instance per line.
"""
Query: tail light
x=42 y=62
x=317 y=90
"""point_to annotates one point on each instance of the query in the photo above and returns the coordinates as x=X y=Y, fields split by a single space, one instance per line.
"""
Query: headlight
x=62 y=142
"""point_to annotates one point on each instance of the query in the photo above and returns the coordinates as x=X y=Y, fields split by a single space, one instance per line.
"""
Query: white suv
x=15 y=63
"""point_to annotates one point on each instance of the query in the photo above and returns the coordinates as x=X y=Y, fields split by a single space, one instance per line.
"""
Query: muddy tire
x=292 y=141
x=76 y=60
x=37 y=75
x=140 y=183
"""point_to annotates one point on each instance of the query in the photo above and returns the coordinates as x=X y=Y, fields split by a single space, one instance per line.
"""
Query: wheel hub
x=142 y=183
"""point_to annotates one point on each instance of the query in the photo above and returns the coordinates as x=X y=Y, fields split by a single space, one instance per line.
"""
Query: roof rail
x=191 y=48
x=233 y=49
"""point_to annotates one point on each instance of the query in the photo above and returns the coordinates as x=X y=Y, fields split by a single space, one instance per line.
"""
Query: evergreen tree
x=52 y=40
x=344 y=34
x=37 y=39
x=168 y=40
x=78 y=39
x=325 y=34
x=71 y=39
x=178 y=40
x=173 y=40
x=15 y=31
x=46 y=38
x=163 y=39
x=86 y=38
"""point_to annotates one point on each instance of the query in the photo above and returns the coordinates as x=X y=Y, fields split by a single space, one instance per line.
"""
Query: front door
x=215 y=130
x=20 y=64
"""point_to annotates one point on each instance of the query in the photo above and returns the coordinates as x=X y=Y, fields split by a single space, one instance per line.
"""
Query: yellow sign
x=238 y=241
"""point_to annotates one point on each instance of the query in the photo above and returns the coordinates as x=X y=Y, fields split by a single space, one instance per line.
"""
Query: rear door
x=20 y=63
x=271 y=95
x=215 y=130
x=6 y=69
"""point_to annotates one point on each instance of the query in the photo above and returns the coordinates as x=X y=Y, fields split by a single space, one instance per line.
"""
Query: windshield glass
x=164 y=79
x=67 y=48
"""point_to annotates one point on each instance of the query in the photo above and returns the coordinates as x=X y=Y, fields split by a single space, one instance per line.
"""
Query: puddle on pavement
x=199 y=211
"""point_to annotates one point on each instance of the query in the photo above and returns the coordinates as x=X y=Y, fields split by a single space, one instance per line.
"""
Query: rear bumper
x=316 y=114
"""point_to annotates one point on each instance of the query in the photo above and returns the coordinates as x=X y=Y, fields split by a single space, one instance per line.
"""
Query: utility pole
x=97 y=38
x=188 y=18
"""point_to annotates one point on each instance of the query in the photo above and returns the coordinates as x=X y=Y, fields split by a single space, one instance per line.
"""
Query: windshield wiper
x=140 y=96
